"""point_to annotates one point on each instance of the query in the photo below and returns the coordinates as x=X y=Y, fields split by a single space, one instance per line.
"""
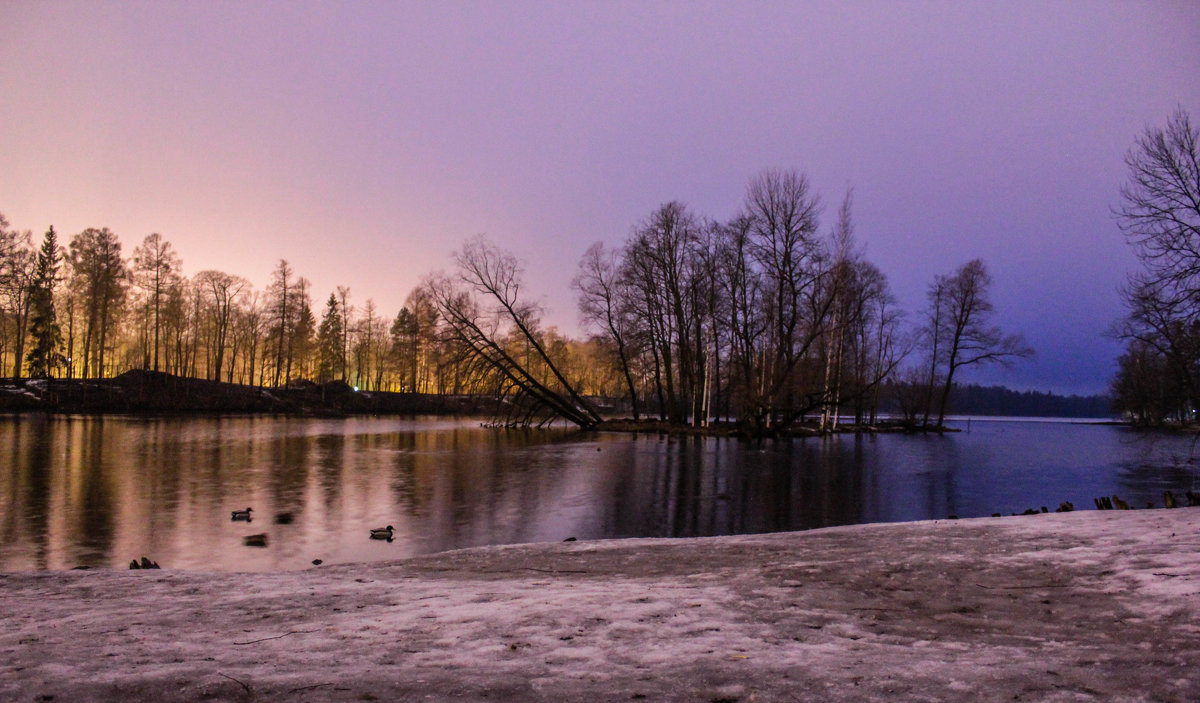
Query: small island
x=158 y=393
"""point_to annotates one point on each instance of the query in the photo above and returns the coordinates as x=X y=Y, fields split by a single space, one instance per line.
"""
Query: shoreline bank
x=153 y=393
x=1073 y=606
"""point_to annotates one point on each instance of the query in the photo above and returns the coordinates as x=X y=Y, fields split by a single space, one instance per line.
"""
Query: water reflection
x=101 y=491
x=1162 y=463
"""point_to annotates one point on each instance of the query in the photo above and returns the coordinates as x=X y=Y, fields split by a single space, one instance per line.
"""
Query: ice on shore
x=1076 y=606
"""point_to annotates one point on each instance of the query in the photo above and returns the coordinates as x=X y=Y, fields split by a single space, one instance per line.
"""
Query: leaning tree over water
x=497 y=333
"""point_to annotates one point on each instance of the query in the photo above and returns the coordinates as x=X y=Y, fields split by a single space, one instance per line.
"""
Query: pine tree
x=45 y=356
x=329 y=341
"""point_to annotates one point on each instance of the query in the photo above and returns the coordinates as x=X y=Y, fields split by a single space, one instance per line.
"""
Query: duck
x=255 y=540
x=241 y=515
x=382 y=532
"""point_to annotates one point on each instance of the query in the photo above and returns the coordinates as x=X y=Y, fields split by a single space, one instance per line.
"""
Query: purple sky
x=365 y=141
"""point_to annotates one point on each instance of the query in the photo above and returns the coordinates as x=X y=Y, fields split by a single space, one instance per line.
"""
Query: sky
x=364 y=142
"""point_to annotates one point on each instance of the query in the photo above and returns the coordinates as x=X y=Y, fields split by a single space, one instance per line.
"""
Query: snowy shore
x=1062 y=607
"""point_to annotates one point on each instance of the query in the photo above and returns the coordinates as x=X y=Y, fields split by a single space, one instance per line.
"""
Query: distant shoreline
x=157 y=393
x=162 y=394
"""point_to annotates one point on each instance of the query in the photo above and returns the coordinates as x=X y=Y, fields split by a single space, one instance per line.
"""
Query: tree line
x=765 y=319
x=85 y=310
x=973 y=399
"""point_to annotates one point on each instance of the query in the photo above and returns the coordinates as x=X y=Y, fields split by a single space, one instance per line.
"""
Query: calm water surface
x=99 y=491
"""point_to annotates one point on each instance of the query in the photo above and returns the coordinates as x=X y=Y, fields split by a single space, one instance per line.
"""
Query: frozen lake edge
x=1074 y=606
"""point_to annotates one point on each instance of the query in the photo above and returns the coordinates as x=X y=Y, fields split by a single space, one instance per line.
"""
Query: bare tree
x=281 y=311
x=1145 y=388
x=865 y=345
x=248 y=330
x=742 y=313
x=221 y=290
x=1160 y=210
x=1165 y=323
x=880 y=346
x=155 y=265
x=1160 y=217
x=179 y=327
x=601 y=301
x=367 y=339
x=759 y=318
x=659 y=270
x=302 y=341
x=782 y=213
x=343 y=295
x=17 y=269
x=842 y=313
x=962 y=330
x=240 y=343
x=100 y=273
x=483 y=311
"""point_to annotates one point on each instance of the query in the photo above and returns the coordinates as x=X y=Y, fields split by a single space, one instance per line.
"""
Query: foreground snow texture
x=1078 y=606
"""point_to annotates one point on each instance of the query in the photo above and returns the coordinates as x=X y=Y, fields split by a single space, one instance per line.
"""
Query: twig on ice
x=305 y=688
x=240 y=683
x=543 y=571
x=264 y=639
x=1041 y=585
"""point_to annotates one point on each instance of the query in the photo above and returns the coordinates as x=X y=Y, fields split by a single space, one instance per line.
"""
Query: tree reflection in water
x=101 y=491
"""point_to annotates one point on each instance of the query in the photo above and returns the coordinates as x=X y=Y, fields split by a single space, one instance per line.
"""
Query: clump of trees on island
x=764 y=320
x=1158 y=376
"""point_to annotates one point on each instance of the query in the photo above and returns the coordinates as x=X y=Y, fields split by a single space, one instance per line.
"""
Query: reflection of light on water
x=1047 y=420
x=102 y=491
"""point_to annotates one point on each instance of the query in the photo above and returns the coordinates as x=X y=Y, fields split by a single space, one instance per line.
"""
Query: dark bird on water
x=383 y=533
x=241 y=515
x=259 y=540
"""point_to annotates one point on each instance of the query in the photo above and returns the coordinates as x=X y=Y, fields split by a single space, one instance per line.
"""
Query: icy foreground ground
x=1078 y=606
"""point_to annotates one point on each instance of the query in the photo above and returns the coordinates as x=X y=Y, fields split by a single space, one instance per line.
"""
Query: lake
x=99 y=491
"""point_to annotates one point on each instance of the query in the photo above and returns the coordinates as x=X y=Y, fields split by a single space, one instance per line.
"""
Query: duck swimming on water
x=241 y=515
x=383 y=533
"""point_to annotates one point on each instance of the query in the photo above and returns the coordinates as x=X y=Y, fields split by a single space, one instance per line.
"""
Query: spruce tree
x=45 y=354
x=329 y=341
